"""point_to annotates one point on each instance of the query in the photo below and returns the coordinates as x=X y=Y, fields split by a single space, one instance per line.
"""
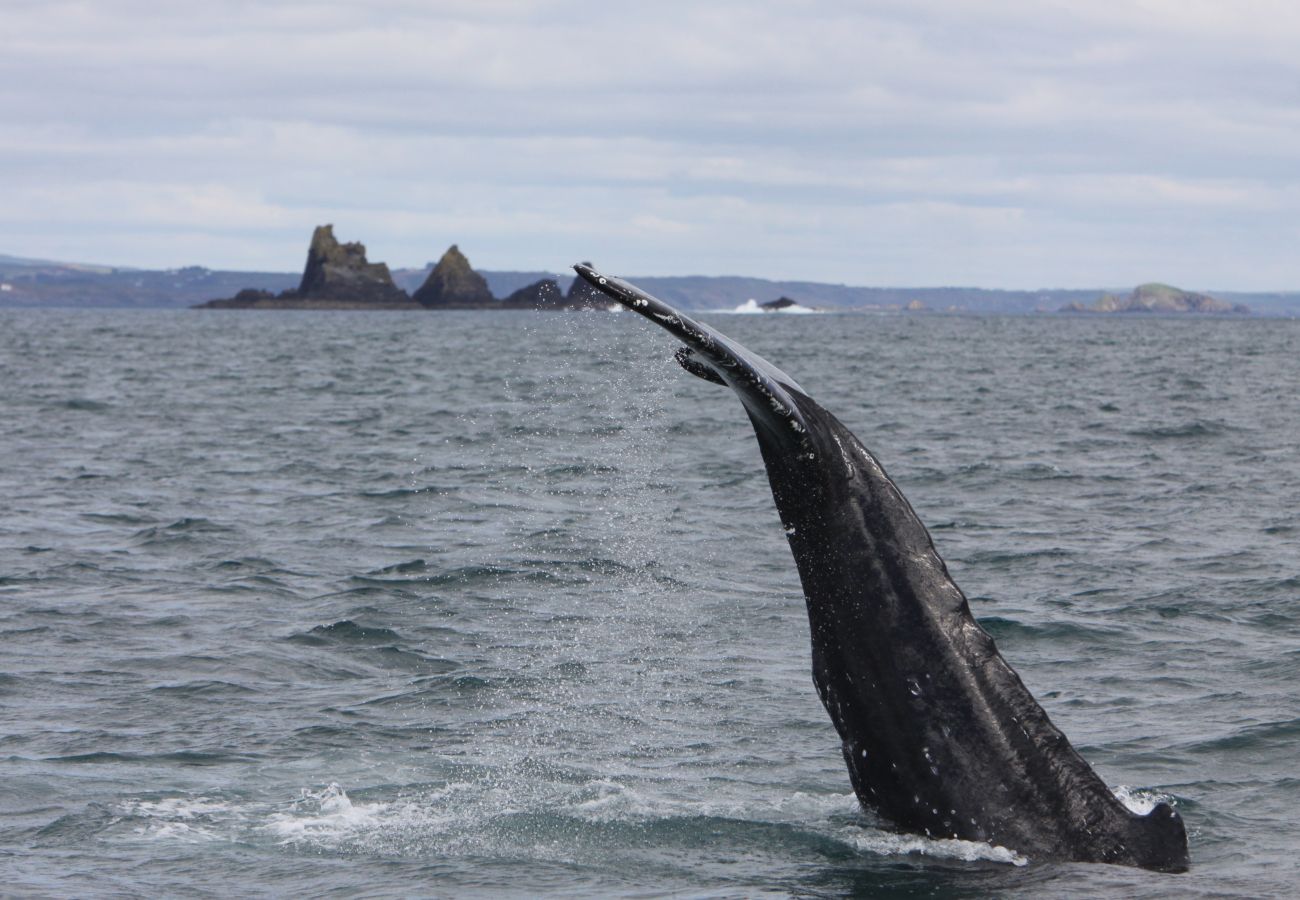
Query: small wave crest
x=346 y=632
x=188 y=820
x=1196 y=428
x=327 y=815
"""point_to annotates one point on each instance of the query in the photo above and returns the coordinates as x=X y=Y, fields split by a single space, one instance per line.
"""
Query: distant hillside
x=38 y=283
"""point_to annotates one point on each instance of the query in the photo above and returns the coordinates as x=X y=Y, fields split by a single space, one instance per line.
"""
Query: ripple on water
x=520 y=586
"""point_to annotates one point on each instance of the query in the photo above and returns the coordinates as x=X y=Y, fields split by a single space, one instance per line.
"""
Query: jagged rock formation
x=341 y=272
x=778 y=303
x=337 y=276
x=544 y=294
x=1159 y=298
x=453 y=284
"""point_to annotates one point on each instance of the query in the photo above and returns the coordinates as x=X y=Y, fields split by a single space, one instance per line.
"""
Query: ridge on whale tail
x=939 y=733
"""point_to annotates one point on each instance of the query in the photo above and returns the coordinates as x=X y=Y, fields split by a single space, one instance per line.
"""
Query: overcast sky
x=993 y=143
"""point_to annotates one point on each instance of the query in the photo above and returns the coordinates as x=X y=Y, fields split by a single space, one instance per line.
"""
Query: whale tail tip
x=1161 y=838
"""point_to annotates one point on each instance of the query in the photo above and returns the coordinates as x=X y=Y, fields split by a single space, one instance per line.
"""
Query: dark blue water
x=498 y=604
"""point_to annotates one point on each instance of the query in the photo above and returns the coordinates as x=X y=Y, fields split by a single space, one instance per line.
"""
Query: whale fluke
x=939 y=733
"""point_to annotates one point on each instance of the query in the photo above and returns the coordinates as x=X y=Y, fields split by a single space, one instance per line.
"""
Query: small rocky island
x=338 y=276
x=1160 y=299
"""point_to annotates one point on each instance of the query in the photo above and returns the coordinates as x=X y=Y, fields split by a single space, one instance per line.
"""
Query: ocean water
x=473 y=604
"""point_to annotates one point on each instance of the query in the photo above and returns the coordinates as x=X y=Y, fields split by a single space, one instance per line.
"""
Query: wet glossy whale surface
x=938 y=732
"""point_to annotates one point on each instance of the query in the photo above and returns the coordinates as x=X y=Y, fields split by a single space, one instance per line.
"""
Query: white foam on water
x=614 y=802
x=891 y=844
x=1141 y=801
x=330 y=818
x=326 y=816
x=456 y=818
x=805 y=807
x=177 y=807
x=473 y=817
x=188 y=820
x=179 y=832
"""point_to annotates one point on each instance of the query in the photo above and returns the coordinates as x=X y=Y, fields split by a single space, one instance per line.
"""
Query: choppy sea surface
x=475 y=604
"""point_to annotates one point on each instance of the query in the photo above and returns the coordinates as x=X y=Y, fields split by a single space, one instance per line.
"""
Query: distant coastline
x=28 y=283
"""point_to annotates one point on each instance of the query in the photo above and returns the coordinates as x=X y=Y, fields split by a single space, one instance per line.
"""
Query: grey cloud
x=1001 y=143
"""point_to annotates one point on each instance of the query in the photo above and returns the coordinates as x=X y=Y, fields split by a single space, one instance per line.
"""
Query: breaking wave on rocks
x=753 y=306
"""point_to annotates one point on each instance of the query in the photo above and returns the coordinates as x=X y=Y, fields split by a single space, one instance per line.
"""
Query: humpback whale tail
x=766 y=392
x=938 y=731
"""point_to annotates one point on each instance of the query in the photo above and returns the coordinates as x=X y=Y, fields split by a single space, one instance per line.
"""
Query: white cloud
x=994 y=142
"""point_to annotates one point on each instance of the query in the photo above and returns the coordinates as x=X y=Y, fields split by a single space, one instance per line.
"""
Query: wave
x=377 y=648
x=84 y=404
x=210 y=688
x=409 y=567
x=345 y=632
x=1197 y=428
x=1259 y=735
x=182 y=757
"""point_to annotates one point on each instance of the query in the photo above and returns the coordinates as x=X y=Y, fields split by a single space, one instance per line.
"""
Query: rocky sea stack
x=337 y=276
x=453 y=284
x=1159 y=299
x=341 y=271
